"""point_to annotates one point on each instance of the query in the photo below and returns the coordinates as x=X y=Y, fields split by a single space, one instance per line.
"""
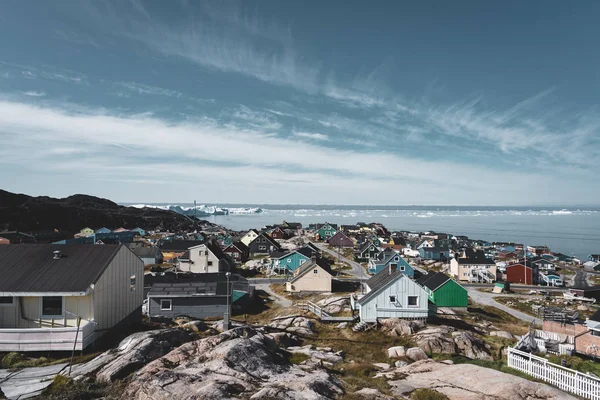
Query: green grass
x=298 y=358
x=15 y=360
x=362 y=375
x=63 y=388
x=578 y=364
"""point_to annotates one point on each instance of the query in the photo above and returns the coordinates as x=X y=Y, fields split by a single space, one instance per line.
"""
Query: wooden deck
x=323 y=316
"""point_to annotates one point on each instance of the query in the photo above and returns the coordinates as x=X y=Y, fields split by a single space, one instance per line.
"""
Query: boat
x=571 y=296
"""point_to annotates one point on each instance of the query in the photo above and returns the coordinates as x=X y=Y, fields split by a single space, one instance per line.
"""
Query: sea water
x=569 y=230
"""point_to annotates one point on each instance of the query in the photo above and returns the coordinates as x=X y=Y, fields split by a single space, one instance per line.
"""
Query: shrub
x=427 y=394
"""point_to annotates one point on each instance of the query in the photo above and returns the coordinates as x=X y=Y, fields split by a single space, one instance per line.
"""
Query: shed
x=444 y=291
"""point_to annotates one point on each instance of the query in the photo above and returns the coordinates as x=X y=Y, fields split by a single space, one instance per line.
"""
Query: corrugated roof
x=381 y=279
x=435 y=280
x=32 y=267
x=215 y=283
x=179 y=245
x=307 y=266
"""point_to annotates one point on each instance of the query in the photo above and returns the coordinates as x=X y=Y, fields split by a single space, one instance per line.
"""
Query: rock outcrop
x=470 y=382
x=133 y=352
x=335 y=305
x=319 y=353
x=295 y=324
x=400 y=327
x=446 y=340
x=239 y=363
x=371 y=394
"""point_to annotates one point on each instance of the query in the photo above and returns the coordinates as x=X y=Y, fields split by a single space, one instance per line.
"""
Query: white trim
x=62 y=307
x=42 y=294
x=412 y=305
x=170 y=305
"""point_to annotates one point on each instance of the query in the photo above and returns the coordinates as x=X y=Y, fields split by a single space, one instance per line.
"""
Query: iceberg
x=202 y=210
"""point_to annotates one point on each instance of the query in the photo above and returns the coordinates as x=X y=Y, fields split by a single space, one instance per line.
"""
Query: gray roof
x=145 y=251
x=307 y=266
x=31 y=268
x=186 y=284
x=188 y=289
x=381 y=279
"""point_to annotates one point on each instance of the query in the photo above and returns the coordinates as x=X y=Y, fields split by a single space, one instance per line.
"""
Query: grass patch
x=502 y=320
x=565 y=271
x=577 y=363
x=362 y=375
x=15 y=360
x=514 y=303
x=298 y=358
x=63 y=388
x=427 y=394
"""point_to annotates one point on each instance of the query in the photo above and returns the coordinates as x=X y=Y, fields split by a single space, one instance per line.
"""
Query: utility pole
x=226 y=321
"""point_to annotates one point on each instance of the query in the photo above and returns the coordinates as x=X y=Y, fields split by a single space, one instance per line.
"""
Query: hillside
x=27 y=213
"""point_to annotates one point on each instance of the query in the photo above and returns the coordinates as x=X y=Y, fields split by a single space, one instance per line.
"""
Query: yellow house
x=55 y=297
x=86 y=232
x=313 y=276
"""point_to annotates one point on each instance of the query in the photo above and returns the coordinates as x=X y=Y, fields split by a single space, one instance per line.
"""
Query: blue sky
x=339 y=102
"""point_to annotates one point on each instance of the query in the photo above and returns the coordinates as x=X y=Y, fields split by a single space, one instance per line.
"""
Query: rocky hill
x=70 y=214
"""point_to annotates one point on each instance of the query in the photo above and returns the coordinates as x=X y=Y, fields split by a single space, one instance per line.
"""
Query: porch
x=47 y=338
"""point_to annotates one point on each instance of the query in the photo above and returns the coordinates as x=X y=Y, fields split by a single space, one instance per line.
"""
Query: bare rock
x=284 y=339
x=400 y=327
x=399 y=364
x=342 y=325
x=472 y=347
x=396 y=351
x=582 y=308
x=436 y=341
x=323 y=354
x=239 y=363
x=195 y=326
x=502 y=334
x=416 y=354
x=295 y=324
x=383 y=366
x=133 y=352
x=471 y=382
x=371 y=394
x=334 y=305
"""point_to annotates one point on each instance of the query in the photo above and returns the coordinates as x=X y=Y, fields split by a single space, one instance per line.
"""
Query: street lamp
x=228 y=313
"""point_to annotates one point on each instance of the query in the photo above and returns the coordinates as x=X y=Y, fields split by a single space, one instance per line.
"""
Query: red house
x=518 y=273
x=278 y=233
x=340 y=240
x=238 y=251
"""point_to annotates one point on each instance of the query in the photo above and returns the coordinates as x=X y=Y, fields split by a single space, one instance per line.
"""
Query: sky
x=281 y=102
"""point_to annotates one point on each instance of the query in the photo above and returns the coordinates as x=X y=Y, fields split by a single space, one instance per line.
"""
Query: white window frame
x=164 y=308
x=413 y=305
x=315 y=271
x=11 y=304
x=402 y=268
x=62 y=307
x=395 y=298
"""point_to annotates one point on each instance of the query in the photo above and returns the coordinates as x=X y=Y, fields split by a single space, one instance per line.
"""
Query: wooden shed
x=444 y=291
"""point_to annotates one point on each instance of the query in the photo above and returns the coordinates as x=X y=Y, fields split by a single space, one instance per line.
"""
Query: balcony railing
x=46 y=339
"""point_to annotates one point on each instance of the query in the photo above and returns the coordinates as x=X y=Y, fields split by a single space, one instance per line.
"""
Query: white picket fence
x=566 y=379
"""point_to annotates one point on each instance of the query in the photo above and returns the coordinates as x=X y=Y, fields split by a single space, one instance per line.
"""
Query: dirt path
x=488 y=300
x=282 y=301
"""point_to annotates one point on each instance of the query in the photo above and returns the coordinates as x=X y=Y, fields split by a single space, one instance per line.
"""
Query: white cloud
x=310 y=135
x=123 y=147
x=34 y=93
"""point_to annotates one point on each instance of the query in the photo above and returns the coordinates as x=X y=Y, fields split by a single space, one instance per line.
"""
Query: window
x=52 y=306
x=262 y=247
x=6 y=301
x=402 y=268
x=393 y=299
x=413 y=301
x=132 y=280
x=289 y=260
x=301 y=261
x=316 y=271
x=166 y=304
x=209 y=263
x=396 y=259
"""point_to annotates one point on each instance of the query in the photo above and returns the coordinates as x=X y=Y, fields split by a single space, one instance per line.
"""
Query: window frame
x=412 y=305
x=395 y=299
x=160 y=304
x=11 y=304
x=49 y=316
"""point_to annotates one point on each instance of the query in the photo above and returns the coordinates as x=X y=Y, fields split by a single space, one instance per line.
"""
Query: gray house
x=196 y=295
x=150 y=255
x=391 y=294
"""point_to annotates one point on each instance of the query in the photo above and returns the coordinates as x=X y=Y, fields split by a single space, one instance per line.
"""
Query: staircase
x=363 y=326
x=481 y=275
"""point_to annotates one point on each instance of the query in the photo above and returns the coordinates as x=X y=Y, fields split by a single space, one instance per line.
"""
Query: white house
x=205 y=258
x=54 y=295
x=249 y=237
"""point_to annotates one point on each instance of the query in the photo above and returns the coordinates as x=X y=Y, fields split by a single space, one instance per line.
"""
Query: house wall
x=450 y=294
x=248 y=238
x=583 y=344
x=196 y=307
x=311 y=282
x=114 y=298
x=292 y=262
x=517 y=274
x=341 y=240
x=380 y=306
x=203 y=260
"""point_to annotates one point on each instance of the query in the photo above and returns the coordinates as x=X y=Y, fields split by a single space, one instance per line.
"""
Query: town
x=317 y=291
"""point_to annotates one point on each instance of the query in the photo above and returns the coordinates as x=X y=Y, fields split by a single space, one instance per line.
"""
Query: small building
x=391 y=294
x=312 y=276
x=86 y=232
x=172 y=249
x=325 y=232
x=519 y=273
x=238 y=252
x=473 y=266
x=543 y=264
x=139 y=232
x=249 y=237
x=393 y=260
x=45 y=289
x=550 y=280
x=367 y=251
x=296 y=226
x=205 y=258
x=102 y=230
x=434 y=253
x=594 y=257
x=444 y=291
x=150 y=255
x=291 y=261
x=278 y=233
x=341 y=240
x=591 y=292
x=196 y=295
x=263 y=244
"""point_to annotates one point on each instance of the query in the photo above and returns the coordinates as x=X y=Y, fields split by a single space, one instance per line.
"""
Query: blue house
x=290 y=261
x=434 y=253
x=103 y=230
x=137 y=231
x=391 y=260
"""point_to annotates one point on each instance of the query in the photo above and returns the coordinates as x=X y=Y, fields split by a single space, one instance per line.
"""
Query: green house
x=443 y=291
x=326 y=231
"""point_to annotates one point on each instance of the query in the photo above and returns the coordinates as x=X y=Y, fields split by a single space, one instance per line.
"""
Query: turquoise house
x=391 y=260
x=290 y=261
x=138 y=231
x=103 y=230
x=326 y=231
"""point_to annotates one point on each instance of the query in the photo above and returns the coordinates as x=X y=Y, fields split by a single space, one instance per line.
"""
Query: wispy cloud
x=311 y=135
x=34 y=93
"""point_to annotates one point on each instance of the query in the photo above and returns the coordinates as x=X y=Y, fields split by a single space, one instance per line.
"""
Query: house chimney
x=56 y=254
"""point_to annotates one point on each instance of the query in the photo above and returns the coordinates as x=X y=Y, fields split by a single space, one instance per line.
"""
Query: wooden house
x=339 y=239
x=393 y=260
x=519 y=273
x=86 y=232
x=444 y=291
x=325 y=232
x=291 y=260
x=473 y=266
x=391 y=294
x=238 y=252
x=312 y=276
x=367 y=251
x=278 y=233
x=60 y=297
x=249 y=236
x=263 y=244
x=204 y=259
